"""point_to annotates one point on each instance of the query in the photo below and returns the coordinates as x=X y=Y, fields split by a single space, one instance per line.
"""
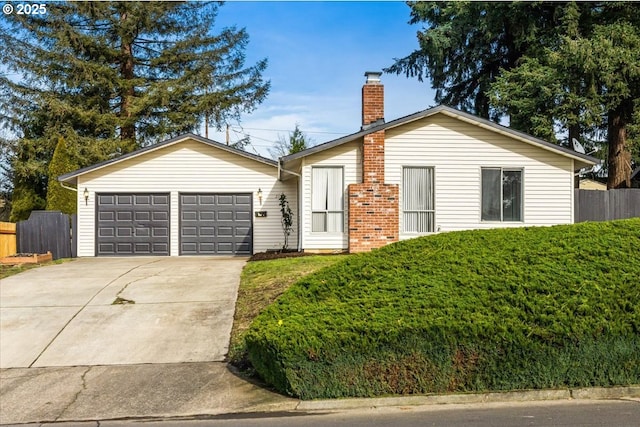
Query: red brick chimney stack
x=372 y=99
x=373 y=205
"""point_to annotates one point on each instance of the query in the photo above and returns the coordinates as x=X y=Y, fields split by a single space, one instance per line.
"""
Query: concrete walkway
x=82 y=393
x=119 y=311
x=187 y=390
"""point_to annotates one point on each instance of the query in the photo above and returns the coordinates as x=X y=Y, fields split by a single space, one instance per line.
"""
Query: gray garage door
x=132 y=224
x=215 y=224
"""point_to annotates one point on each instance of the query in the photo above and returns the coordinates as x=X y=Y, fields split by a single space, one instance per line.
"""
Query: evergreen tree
x=464 y=46
x=58 y=197
x=296 y=142
x=588 y=84
x=556 y=69
x=114 y=76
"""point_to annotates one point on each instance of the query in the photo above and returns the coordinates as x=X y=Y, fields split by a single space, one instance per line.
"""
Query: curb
x=594 y=393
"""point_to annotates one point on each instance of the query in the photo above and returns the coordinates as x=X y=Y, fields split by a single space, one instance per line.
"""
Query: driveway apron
x=119 y=311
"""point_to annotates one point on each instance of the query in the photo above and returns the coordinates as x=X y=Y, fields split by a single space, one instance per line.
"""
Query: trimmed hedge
x=508 y=309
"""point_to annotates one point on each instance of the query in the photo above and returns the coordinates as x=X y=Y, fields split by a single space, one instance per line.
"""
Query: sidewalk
x=85 y=393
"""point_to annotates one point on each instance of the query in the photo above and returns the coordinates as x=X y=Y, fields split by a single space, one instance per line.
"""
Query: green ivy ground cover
x=506 y=309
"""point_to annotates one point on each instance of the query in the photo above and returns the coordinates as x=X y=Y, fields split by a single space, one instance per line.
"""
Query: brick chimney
x=373 y=205
x=373 y=114
x=372 y=99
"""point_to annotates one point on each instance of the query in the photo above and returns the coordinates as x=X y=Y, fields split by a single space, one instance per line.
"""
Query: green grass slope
x=502 y=309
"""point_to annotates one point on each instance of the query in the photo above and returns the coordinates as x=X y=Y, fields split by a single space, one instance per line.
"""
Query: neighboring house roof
x=69 y=177
x=452 y=112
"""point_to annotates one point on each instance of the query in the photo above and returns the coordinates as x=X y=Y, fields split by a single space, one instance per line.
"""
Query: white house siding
x=458 y=150
x=189 y=167
x=347 y=156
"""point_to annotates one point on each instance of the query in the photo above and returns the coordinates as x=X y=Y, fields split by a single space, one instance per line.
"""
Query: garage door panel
x=243 y=248
x=189 y=215
x=189 y=199
x=106 y=200
x=126 y=200
x=124 y=216
x=159 y=232
x=243 y=200
x=205 y=200
x=207 y=231
x=143 y=200
x=132 y=224
x=142 y=216
x=225 y=248
x=225 y=200
x=160 y=216
x=207 y=215
x=207 y=248
x=225 y=216
x=106 y=216
x=242 y=231
x=212 y=229
x=243 y=216
x=160 y=199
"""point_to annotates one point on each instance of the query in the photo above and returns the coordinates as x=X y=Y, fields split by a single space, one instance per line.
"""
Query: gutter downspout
x=67 y=187
x=298 y=192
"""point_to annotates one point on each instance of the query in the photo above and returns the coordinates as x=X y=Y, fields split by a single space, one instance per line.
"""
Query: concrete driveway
x=119 y=311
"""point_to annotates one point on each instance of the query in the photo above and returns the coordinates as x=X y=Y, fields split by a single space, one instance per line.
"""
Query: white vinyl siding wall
x=458 y=151
x=347 y=157
x=190 y=167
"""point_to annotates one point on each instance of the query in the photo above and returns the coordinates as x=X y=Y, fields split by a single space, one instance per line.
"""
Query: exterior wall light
x=260 y=195
x=85 y=193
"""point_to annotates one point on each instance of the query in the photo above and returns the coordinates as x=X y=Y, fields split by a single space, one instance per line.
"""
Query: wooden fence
x=50 y=231
x=7 y=239
x=596 y=205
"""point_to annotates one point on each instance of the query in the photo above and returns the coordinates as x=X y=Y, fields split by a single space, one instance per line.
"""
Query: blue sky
x=318 y=53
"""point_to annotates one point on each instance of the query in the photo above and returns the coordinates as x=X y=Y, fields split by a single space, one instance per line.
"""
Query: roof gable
x=460 y=115
x=68 y=177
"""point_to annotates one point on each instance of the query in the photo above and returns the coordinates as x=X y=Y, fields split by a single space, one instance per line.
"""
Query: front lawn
x=523 y=308
x=260 y=284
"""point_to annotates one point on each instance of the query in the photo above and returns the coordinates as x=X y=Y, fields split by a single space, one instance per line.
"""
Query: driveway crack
x=85 y=306
x=77 y=395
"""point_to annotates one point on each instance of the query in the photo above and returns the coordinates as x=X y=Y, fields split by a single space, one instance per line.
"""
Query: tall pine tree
x=463 y=47
x=588 y=83
x=557 y=70
x=114 y=76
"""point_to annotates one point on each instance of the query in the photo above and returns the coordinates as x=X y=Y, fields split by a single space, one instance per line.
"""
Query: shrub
x=501 y=309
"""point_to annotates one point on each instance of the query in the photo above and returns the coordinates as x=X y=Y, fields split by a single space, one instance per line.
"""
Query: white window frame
x=432 y=211
x=315 y=210
x=502 y=171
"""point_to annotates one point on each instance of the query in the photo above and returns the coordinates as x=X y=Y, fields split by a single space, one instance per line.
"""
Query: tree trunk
x=619 y=155
x=128 y=128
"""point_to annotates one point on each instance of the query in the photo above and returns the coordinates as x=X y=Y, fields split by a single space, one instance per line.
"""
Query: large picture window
x=418 y=200
x=501 y=194
x=327 y=206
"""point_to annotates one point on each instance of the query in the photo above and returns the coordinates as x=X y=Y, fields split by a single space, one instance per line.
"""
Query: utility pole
x=206 y=125
x=227 y=133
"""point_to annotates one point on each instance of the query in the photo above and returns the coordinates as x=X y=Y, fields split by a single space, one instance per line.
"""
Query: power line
x=289 y=130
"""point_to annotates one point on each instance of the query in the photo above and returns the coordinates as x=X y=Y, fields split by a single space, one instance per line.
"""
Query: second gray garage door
x=215 y=224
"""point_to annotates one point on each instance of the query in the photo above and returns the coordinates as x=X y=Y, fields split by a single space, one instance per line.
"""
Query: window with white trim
x=501 y=194
x=327 y=199
x=418 y=199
